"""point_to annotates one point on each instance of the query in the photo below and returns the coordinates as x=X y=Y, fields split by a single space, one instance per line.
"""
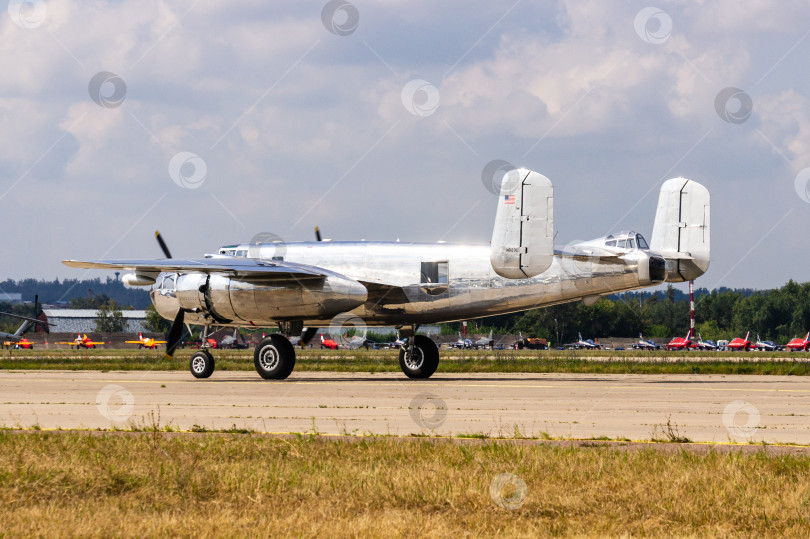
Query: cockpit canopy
x=626 y=240
x=234 y=250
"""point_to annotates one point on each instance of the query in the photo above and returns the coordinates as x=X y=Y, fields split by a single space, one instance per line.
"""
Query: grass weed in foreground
x=204 y=484
x=452 y=361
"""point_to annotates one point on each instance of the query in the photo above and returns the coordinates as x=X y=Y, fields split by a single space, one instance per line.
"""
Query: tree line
x=778 y=314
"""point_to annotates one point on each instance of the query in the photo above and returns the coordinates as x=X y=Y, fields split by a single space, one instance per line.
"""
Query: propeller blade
x=318 y=234
x=162 y=243
x=175 y=334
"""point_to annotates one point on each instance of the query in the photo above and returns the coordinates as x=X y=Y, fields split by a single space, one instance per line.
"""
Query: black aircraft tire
x=201 y=364
x=274 y=358
x=426 y=359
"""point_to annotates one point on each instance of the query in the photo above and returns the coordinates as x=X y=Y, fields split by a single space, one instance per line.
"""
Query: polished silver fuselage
x=382 y=283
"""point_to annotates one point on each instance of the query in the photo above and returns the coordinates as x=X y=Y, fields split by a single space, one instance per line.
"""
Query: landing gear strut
x=201 y=363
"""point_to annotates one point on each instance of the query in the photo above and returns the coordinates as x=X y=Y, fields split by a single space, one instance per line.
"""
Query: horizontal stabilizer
x=522 y=239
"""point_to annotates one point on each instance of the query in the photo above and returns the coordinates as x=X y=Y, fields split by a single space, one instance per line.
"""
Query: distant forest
x=68 y=291
x=779 y=314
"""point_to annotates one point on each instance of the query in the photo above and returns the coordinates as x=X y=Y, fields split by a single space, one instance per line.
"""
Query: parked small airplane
x=681 y=343
x=17 y=339
x=798 y=344
x=766 y=346
x=406 y=285
x=740 y=344
x=328 y=343
x=704 y=345
x=146 y=342
x=22 y=343
x=584 y=343
x=485 y=342
x=462 y=343
x=82 y=341
x=643 y=344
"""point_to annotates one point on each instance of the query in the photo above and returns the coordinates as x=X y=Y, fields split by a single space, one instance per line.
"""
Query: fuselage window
x=242 y=254
x=434 y=272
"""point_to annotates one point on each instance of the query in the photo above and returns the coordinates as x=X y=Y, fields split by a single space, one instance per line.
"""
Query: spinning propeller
x=176 y=331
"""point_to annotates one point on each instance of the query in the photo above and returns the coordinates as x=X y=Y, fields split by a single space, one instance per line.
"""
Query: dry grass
x=213 y=485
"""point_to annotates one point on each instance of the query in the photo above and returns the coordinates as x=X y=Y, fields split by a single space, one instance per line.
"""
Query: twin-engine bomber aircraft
x=308 y=284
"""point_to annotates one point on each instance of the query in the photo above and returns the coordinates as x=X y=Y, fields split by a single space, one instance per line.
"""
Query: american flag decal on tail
x=508 y=199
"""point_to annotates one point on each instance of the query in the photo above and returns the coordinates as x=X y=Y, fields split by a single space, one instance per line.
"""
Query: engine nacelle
x=217 y=299
x=139 y=279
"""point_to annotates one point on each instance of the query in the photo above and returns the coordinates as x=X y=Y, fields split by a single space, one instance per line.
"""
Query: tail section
x=523 y=237
x=681 y=229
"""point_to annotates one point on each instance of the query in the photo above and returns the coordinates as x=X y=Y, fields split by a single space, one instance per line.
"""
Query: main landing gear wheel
x=274 y=358
x=201 y=364
x=424 y=360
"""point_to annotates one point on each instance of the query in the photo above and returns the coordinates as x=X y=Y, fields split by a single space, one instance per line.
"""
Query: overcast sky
x=215 y=121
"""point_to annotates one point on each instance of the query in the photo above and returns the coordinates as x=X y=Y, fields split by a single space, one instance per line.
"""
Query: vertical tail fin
x=522 y=239
x=681 y=229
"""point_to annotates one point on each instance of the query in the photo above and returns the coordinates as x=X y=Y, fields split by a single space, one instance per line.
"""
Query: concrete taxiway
x=701 y=407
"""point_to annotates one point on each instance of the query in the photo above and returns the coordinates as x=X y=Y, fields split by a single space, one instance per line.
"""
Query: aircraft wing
x=245 y=268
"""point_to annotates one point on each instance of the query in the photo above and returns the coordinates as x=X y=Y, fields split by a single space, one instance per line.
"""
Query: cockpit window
x=631 y=244
x=622 y=244
x=611 y=243
x=242 y=254
x=641 y=243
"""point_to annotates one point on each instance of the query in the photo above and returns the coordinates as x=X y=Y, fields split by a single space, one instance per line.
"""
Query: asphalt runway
x=712 y=408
